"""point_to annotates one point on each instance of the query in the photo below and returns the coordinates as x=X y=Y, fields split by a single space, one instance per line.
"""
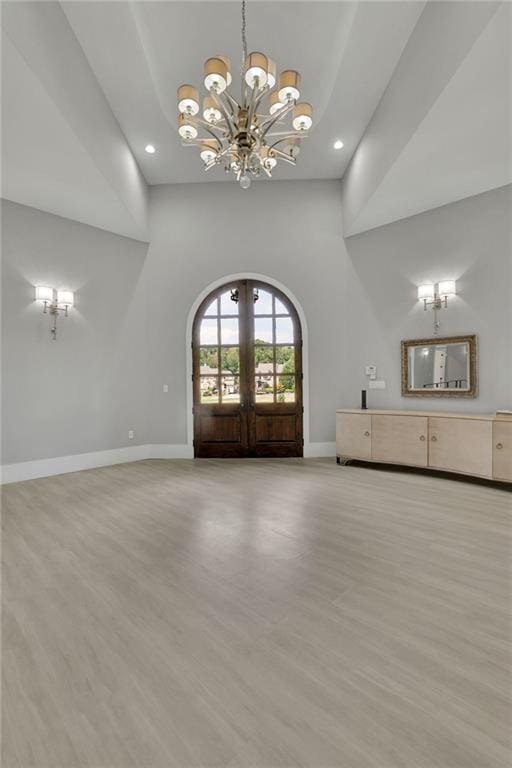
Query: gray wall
x=289 y=231
x=126 y=338
x=84 y=391
x=469 y=241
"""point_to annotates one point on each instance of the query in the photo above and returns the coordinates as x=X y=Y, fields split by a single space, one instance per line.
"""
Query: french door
x=247 y=373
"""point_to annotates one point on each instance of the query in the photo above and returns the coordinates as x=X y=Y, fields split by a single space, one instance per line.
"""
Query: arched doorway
x=247 y=373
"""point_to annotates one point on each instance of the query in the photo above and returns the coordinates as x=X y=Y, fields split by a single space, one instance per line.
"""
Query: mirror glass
x=439 y=366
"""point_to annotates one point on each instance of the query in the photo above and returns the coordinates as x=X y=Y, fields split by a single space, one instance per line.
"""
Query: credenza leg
x=342 y=461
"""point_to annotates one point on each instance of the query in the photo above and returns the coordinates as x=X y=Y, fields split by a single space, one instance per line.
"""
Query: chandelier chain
x=244 y=36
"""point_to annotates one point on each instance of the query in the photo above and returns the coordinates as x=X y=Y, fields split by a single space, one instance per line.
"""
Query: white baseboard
x=170 y=451
x=319 y=450
x=59 y=465
x=29 y=470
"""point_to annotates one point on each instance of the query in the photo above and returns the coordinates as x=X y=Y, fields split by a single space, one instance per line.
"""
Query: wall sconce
x=53 y=305
x=436 y=299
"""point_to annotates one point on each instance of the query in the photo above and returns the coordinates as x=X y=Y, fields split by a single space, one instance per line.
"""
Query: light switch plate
x=166 y=387
x=371 y=370
x=130 y=434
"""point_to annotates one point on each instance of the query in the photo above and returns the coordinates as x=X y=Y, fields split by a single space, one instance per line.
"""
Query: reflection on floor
x=255 y=614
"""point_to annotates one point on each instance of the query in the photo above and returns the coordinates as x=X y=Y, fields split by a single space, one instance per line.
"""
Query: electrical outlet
x=130 y=434
x=166 y=387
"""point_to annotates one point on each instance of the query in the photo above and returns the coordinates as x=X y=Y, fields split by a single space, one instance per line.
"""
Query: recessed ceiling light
x=150 y=149
x=338 y=144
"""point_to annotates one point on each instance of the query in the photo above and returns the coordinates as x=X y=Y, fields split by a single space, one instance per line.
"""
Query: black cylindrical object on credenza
x=363 y=400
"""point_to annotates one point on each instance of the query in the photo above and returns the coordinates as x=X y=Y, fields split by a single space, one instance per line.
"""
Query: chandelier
x=245 y=136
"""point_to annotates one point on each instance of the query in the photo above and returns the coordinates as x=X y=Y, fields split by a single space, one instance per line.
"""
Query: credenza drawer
x=502 y=450
x=353 y=435
x=461 y=445
x=400 y=439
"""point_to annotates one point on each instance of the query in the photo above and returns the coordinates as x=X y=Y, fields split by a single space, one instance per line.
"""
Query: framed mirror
x=439 y=367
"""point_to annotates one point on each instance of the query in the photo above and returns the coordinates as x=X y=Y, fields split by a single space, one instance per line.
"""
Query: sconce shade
x=447 y=288
x=256 y=68
x=426 y=292
x=272 y=73
x=209 y=149
x=268 y=156
x=275 y=103
x=227 y=62
x=44 y=293
x=188 y=100
x=215 y=75
x=289 y=84
x=302 y=116
x=291 y=146
x=211 y=111
x=65 y=298
x=187 y=127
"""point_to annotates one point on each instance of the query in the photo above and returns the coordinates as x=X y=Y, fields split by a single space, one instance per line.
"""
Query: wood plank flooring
x=255 y=614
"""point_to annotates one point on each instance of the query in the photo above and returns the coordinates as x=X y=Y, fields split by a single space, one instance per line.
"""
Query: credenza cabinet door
x=461 y=445
x=400 y=439
x=502 y=450
x=353 y=435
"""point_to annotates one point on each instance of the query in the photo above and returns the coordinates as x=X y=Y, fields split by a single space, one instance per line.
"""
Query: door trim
x=188 y=345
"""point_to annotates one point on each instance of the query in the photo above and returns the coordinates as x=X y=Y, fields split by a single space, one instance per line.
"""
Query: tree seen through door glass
x=230 y=360
x=209 y=361
x=285 y=389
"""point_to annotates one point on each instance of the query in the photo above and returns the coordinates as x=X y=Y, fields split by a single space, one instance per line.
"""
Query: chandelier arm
x=255 y=102
x=287 y=135
x=233 y=103
x=227 y=118
x=210 y=127
x=277 y=116
x=207 y=128
x=282 y=156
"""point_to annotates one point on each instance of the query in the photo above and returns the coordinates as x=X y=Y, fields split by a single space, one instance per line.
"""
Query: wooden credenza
x=473 y=444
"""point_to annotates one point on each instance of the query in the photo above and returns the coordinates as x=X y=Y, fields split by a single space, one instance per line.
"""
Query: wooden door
x=354 y=436
x=247 y=373
x=461 y=445
x=400 y=439
x=502 y=450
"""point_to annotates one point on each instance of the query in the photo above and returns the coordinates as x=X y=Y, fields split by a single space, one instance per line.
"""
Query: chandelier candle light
x=245 y=136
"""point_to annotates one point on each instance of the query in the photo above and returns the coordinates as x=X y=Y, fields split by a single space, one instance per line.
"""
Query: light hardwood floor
x=255 y=614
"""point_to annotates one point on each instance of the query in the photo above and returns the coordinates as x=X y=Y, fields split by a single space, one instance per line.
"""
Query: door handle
x=499 y=446
x=433 y=438
x=422 y=438
x=367 y=434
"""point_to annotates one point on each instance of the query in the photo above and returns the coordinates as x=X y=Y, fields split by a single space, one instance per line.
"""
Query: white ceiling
x=141 y=52
x=86 y=85
x=463 y=146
